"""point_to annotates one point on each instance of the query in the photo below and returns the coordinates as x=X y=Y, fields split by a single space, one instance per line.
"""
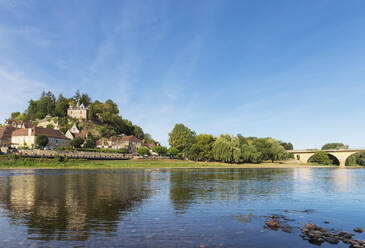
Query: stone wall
x=73 y=154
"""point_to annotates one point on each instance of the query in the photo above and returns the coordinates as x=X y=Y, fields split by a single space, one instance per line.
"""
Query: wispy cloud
x=16 y=91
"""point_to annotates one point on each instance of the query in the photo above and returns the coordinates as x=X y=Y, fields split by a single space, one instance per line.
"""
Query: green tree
x=77 y=96
x=182 y=138
x=205 y=143
x=277 y=152
x=223 y=149
x=286 y=145
x=77 y=142
x=193 y=152
x=85 y=99
x=143 y=151
x=90 y=142
x=173 y=152
x=14 y=115
x=334 y=146
x=263 y=145
x=320 y=157
x=41 y=141
x=62 y=105
x=38 y=109
x=138 y=132
x=160 y=150
x=250 y=154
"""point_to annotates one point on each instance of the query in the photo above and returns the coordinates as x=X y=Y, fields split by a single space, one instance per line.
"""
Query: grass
x=8 y=162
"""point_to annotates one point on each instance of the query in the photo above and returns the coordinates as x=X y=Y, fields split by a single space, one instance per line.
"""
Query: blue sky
x=292 y=70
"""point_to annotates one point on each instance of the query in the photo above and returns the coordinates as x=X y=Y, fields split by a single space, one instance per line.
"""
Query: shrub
x=160 y=150
x=77 y=142
x=41 y=141
x=59 y=158
x=143 y=151
x=173 y=152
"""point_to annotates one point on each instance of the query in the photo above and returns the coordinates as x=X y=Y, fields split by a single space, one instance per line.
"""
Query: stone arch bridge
x=341 y=155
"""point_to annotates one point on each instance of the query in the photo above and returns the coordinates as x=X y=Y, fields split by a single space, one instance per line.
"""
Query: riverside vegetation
x=105 y=121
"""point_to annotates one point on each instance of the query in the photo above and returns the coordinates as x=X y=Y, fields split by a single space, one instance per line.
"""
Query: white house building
x=79 y=111
x=27 y=137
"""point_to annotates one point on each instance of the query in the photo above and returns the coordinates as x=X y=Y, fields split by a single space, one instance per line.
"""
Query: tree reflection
x=69 y=206
x=204 y=185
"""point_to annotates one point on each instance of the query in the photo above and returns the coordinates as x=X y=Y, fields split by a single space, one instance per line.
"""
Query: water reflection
x=70 y=206
x=174 y=207
x=201 y=186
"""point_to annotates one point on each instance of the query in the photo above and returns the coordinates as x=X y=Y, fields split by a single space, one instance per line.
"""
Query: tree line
x=186 y=143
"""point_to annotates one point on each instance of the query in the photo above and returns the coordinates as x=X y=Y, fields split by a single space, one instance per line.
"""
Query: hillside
x=103 y=118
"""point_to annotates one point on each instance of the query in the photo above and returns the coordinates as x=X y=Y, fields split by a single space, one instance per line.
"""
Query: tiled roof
x=36 y=131
x=81 y=135
x=131 y=138
x=5 y=132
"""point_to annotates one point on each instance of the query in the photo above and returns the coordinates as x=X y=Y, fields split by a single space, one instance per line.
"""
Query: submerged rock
x=331 y=240
x=315 y=234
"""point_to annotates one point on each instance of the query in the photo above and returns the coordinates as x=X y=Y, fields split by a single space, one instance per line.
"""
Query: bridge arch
x=342 y=156
x=348 y=160
x=335 y=160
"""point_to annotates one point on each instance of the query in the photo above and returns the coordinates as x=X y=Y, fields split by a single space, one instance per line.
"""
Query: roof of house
x=5 y=132
x=78 y=107
x=131 y=138
x=26 y=123
x=36 y=131
x=102 y=141
x=81 y=135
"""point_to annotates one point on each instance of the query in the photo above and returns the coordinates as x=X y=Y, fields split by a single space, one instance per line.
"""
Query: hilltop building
x=27 y=137
x=79 y=111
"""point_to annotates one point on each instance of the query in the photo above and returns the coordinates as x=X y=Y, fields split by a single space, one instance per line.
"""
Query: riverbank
x=36 y=163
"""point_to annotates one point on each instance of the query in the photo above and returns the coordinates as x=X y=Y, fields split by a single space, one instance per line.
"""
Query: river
x=176 y=207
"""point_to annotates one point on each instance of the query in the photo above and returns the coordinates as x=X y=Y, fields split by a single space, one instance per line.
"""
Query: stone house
x=27 y=137
x=103 y=143
x=5 y=135
x=78 y=112
x=131 y=143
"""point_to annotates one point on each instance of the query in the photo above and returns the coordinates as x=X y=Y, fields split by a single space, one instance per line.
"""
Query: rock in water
x=315 y=234
x=331 y=240
x=310 y=226
x=358 y=230
x=273 y=224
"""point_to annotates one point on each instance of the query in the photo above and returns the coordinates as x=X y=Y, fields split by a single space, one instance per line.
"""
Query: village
x=22 y=135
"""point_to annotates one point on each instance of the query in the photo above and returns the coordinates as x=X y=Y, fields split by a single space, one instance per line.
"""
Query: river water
x=176 y=207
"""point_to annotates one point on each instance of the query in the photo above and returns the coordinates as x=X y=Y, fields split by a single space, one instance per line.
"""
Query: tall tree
x=223 y=149
x=182 y=138
x=62 y=104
